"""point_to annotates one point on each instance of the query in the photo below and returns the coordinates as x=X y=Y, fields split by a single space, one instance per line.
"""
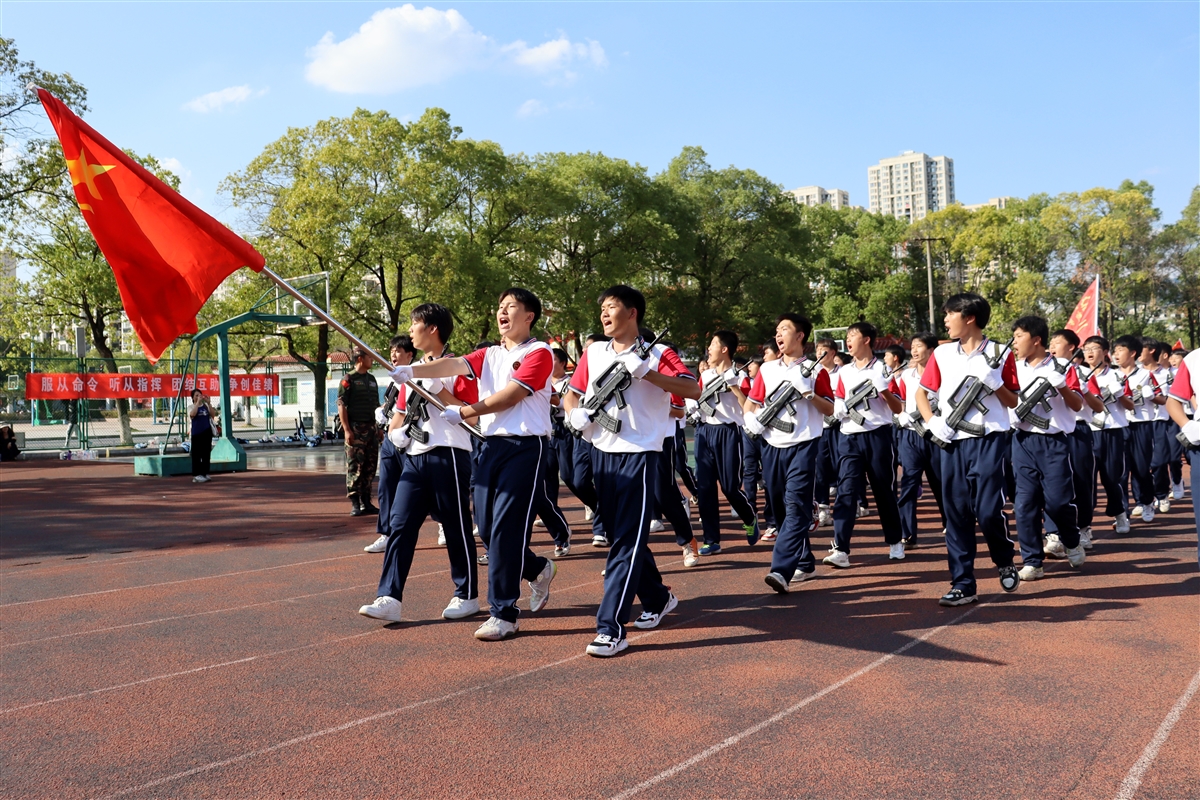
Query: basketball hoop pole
x=430 y=398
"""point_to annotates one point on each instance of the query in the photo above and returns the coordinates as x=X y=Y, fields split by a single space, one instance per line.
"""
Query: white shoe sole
x=607 y=651
x=461 y=612
x=367 y=612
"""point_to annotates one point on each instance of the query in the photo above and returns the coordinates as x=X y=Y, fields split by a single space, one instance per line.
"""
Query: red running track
x=162 y=639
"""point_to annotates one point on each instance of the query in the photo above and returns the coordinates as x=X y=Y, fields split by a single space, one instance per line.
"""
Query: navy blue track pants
x=1082 y=445
x=752 y=472
x=434 y=482
x=917 y=456
x=585 y=484
x=1139 y=455
x=973 y=491
x=668 y=499
x=391 y=464
x=872 y=455
x=625 y=487
x=1045 y=485
x=789 y=473
x=1113 y=469
x=719 y=460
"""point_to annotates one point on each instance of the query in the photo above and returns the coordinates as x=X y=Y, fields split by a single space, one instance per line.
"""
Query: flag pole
x=429 y=397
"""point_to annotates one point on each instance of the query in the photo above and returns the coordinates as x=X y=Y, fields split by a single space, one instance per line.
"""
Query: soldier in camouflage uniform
x=358 y=397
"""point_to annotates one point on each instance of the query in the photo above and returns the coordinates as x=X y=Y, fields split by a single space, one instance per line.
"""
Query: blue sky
x=1025 y=97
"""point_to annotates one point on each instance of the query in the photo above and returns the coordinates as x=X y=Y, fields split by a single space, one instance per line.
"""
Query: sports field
x=162 y=639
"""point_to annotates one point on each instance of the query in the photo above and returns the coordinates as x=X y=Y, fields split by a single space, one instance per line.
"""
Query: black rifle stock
x=865 y=392
x=964 y=398
x=782 y=398
x=416 y=411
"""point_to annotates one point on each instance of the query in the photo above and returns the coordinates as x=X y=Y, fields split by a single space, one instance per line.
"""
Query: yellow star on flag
x=85 y=173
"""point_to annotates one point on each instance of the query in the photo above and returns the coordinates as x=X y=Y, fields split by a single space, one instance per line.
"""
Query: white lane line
x=192 y=671
x=345 y=726
x=182 y=580
x=787 y=712
x=1133 y=780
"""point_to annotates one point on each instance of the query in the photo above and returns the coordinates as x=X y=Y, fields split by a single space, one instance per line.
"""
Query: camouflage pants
x=362 y=459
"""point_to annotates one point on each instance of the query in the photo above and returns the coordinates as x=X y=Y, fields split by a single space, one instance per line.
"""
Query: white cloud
x=401 y=48
x=215 y=101
x=532 y=108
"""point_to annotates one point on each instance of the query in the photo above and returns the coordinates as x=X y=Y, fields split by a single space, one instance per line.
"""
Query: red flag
x=168 y=255
x=1085 y=319
x=1178 y=345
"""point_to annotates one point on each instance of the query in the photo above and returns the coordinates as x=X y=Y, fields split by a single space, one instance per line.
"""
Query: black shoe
x=1009 y=578
x=356 y=509
x=368 y=508
x=957 y=597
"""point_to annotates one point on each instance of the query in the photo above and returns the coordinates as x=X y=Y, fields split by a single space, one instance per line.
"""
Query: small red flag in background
x=167 y=254
x=1085 y=319
x=1178 y=345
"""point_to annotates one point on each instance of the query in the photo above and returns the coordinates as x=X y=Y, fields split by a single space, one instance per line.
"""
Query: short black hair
x=628 y=297
x=1034 y=326
x=728 y=339
x=484 y=345
x=866 y=330
x=402 y=341
x=1100 y=340
x=437 y=316
x=969 y=304
x=826 y=341
x=843 y=357
x=896 y=350
x=559 y=354
x=769 y=344
x=928 y=339
x=1179 y=351
x=596 y=337
x=1130 y=342
x=528 y=300
x=1156 y=346
x=801 y=322
x=1069 y=335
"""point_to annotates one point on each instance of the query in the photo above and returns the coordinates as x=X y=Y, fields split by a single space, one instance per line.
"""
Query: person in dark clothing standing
x=358 y=397
x=202 y=415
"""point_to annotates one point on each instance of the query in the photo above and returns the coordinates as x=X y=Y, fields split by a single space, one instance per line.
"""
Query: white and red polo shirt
x=1060 y=416
x=529 y=364
x=949 y=365
x=806 y=420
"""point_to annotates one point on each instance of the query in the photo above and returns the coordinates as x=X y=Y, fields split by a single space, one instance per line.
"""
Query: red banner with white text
x=112 y=386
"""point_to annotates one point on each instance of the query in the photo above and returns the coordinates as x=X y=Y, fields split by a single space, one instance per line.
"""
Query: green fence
x=100 y=424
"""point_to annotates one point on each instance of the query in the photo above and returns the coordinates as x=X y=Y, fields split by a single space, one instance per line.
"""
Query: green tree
x=1180 y=247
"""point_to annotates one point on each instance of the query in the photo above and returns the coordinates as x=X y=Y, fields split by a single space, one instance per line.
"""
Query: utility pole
x=929 y=276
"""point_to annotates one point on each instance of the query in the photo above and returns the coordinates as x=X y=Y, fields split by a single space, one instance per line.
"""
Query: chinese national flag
x=1178 y=345
x=167 y=254
x=1085 y=319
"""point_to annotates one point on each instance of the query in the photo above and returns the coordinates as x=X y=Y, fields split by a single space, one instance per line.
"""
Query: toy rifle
x=865 y=392
x=711 y=396
x=782 y=399
x=1037 y=394
x=612 y=384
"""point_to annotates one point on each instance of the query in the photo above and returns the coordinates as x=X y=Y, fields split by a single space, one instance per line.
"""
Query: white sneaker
x=1164 y=505
x=385 y=608
x=896 y=552
x=561 y=550
x=1031 y=573
x=837 y=559
x=1076 y=556
x=1177 y=491
x=460 y=608
x=1053 y=546
x=824 y=516
x=588 y=514
x=647 y=620
x=599 y=541
x=861 y=511
x=800 y=576
x=1085 y=538
x=605 y=646
x=1121 y=523
x=538 y=523
x=198 y=479
x=656 y=526
x=690 y=559
x=496 y=629
x=539 y=587
x=475 y=531
x=441 y=535
x=1148 y=513
x=1137 y=510
x=379 y=545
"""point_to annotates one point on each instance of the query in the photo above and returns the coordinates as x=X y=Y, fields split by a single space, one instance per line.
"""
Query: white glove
x=803 y=385
x=434 y=385
x=980 y=368
x=1055 y=379
x=1147 y=391
x=904 y=420
x=940 y=430
x=579 y=418
x=401 y=374
x=753 y=426
x=733 y=377
x=840 y=411
x=452 y=415
x=1192 y=431
x=399 y=438
x=638 y=367
x=380 y=417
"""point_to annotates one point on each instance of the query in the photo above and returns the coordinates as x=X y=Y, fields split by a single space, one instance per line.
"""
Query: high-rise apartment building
x=819 y=196
x=911 y=185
